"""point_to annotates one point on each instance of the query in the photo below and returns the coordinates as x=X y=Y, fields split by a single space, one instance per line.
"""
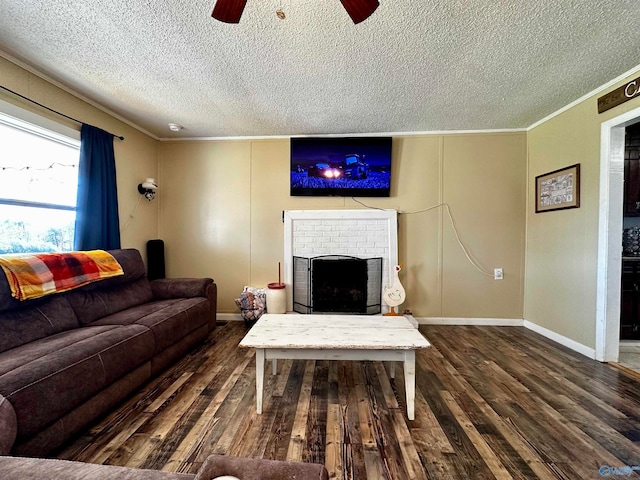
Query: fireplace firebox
x=337 y=284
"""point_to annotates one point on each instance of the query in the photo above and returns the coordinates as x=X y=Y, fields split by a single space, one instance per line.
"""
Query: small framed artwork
x=558 y=190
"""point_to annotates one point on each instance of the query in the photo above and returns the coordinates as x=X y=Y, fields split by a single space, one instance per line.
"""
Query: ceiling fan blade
x=360 y=10
x=228 y=11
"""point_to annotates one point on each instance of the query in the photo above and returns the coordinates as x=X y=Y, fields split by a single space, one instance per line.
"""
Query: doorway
x=629 y=350
x=630 y=305
x=610 y=228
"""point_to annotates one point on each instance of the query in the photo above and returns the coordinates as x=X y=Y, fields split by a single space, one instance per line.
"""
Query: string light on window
x=40 y=169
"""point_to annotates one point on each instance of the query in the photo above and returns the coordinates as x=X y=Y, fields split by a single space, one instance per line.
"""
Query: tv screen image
x=349 y=166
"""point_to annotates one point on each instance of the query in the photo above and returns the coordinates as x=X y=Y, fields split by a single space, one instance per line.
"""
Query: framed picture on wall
x=558 y=190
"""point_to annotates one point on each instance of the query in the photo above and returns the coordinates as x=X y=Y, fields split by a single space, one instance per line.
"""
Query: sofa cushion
x=128 y=258
x=67 y=427
x=91 y=305
x=260 y=469
x=169 y=320
x=172 y=354
x=112 y=295
x=8 y=426
x=164 y=288
x=68 y=368
x=132 y=264
x=37 y=320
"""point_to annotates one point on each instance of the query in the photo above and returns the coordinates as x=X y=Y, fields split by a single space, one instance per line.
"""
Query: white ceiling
x=413 y=66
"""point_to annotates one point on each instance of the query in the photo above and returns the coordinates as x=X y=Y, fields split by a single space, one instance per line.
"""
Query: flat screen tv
x=342 y=166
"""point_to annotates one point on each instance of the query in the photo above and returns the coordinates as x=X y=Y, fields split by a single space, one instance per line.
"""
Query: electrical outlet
x=497 y=274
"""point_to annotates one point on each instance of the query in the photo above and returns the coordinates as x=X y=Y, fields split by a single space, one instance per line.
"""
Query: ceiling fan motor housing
x=230 y=11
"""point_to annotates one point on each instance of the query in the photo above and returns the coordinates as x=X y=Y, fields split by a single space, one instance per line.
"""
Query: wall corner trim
x=562 y=340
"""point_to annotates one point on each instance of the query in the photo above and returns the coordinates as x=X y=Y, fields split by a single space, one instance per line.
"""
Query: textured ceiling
x=413 y=66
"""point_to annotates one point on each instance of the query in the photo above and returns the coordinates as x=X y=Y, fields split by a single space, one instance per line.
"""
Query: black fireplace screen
x=337 y=284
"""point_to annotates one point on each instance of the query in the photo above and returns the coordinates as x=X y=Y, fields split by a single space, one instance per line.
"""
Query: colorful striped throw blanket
x=37 y=275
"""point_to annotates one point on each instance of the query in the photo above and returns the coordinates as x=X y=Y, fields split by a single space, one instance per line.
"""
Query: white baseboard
x=562 y=340
x=229 y=317
x=482 y=322
x=500 y=322
x=486 y=322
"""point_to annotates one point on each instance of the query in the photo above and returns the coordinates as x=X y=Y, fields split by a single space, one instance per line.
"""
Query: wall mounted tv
x=341 y=166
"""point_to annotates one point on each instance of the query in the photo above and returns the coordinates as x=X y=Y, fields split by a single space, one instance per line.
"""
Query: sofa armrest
x=259 y=469
x=165 y=288
x=8 y=426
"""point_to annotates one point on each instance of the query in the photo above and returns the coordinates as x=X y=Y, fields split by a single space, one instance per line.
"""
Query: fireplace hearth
x=337 y=284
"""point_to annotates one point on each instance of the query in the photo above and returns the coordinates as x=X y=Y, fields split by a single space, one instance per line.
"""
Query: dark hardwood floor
x=491 y=402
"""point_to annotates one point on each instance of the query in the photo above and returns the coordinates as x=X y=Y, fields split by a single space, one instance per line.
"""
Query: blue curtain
x=97 y=222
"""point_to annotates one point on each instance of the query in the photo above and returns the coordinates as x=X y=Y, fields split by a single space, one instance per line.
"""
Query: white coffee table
x=336 y=337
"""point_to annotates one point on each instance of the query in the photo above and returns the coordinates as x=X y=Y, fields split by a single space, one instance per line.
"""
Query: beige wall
x=219 y=210
x=561 y=256
x=205 y=208
x=221 y=215
x=219 y=207
x=136 y=156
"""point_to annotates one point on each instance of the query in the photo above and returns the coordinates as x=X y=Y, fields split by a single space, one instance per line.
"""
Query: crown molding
x=72 y=92
x=593 y=93
x=360 y=134
x=111 y=113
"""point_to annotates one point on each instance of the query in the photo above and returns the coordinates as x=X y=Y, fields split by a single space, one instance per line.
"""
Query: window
x=38 y=186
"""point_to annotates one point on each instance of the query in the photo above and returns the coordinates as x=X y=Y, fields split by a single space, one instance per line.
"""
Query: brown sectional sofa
x=68 y=358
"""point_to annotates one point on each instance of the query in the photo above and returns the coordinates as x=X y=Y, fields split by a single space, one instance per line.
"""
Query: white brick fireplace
x=358 y=233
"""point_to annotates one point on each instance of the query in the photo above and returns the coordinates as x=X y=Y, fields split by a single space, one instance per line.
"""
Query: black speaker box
x=155 y=259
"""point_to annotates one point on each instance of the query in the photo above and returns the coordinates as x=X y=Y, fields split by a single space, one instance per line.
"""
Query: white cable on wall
x=453 y=225
x=131 y=216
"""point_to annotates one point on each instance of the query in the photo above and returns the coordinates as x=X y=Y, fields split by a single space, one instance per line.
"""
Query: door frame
x=610 y=224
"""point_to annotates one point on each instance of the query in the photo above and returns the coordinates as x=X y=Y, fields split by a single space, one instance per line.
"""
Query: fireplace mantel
x=362 y=233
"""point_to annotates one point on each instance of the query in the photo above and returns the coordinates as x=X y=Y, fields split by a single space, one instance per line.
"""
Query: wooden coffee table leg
x=259 y=378
x=410 y=382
